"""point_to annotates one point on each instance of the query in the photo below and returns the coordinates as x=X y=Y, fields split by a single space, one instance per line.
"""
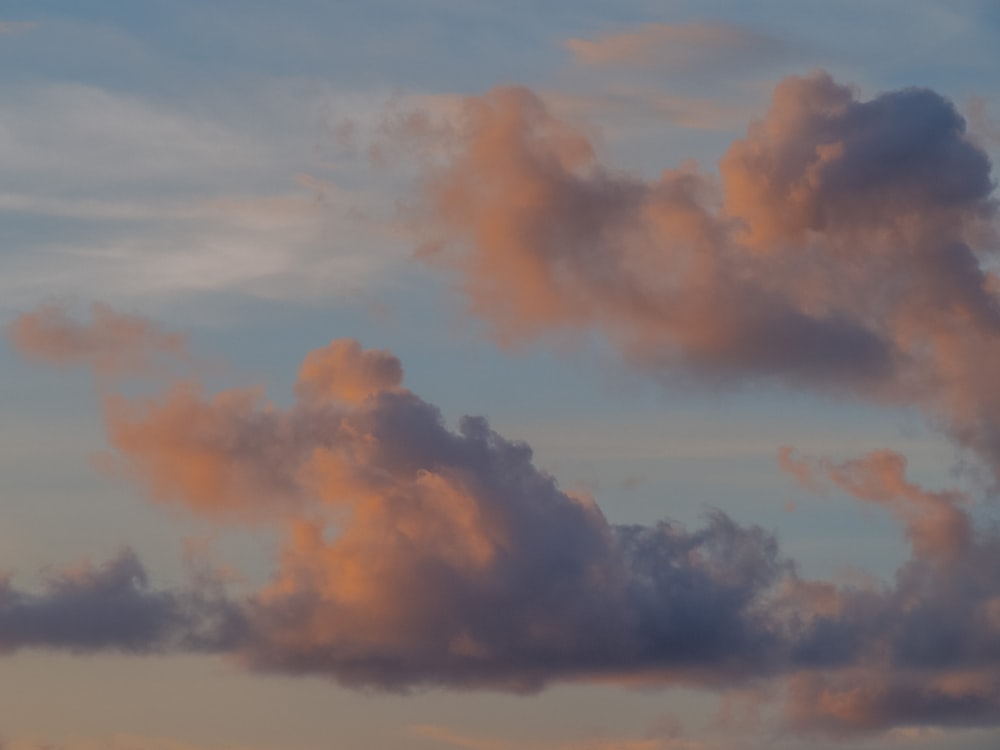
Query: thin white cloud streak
x=174 y=203
x=268 y=263
x=87 y=137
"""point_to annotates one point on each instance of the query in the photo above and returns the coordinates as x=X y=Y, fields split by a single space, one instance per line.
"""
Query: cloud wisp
x=112 y=344
x=413 y=554
x=845 y=248
x=680 y=47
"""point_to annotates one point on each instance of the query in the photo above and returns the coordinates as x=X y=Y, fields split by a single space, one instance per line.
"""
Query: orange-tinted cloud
x=112 y=344
x=844 y=247
x=936 y=523
x=344 y=372
x=865 y=700
x=680 y=47
x=418 y=555
x=412 y=554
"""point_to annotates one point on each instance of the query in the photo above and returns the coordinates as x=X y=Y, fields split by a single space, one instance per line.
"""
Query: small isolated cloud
x=689 y=47
x=112 y=344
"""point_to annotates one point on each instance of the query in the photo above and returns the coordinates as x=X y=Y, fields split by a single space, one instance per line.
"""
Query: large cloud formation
x=845 y=247
x=417 y=555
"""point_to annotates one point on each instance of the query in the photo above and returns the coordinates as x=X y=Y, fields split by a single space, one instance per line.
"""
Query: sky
x=527 y=376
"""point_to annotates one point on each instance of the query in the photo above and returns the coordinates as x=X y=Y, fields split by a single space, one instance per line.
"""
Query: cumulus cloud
x=345 y=372
x=419 y=555
x=844 y=247
x=412 y=554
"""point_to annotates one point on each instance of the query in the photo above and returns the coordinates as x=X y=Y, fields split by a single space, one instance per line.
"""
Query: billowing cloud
x=113 y=343
x=345 y=372
x=845 y=247
x=419 y=555
x=412 y=554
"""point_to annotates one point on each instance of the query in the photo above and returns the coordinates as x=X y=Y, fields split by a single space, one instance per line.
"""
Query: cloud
x=869 y=700
x=687 y=47
x=844 y=248
x=110 y=607
x=412 y=554
x=113 y=344
x=936 y=523
x=142 y=198
x=923 y=652
x=345 y=372
x=418 y=555
x=110 y=142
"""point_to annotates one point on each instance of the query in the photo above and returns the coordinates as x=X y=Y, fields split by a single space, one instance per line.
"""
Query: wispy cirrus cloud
x=121 y=197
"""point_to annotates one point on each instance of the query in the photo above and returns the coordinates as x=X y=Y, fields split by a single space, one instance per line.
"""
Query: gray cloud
x=110 y=607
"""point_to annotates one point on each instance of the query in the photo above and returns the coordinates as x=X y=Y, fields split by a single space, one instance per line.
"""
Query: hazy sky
x=499 y=376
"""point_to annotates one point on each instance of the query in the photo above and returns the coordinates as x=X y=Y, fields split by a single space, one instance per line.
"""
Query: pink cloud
x=112 y=344
x=680 y=47
x=843 y=248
